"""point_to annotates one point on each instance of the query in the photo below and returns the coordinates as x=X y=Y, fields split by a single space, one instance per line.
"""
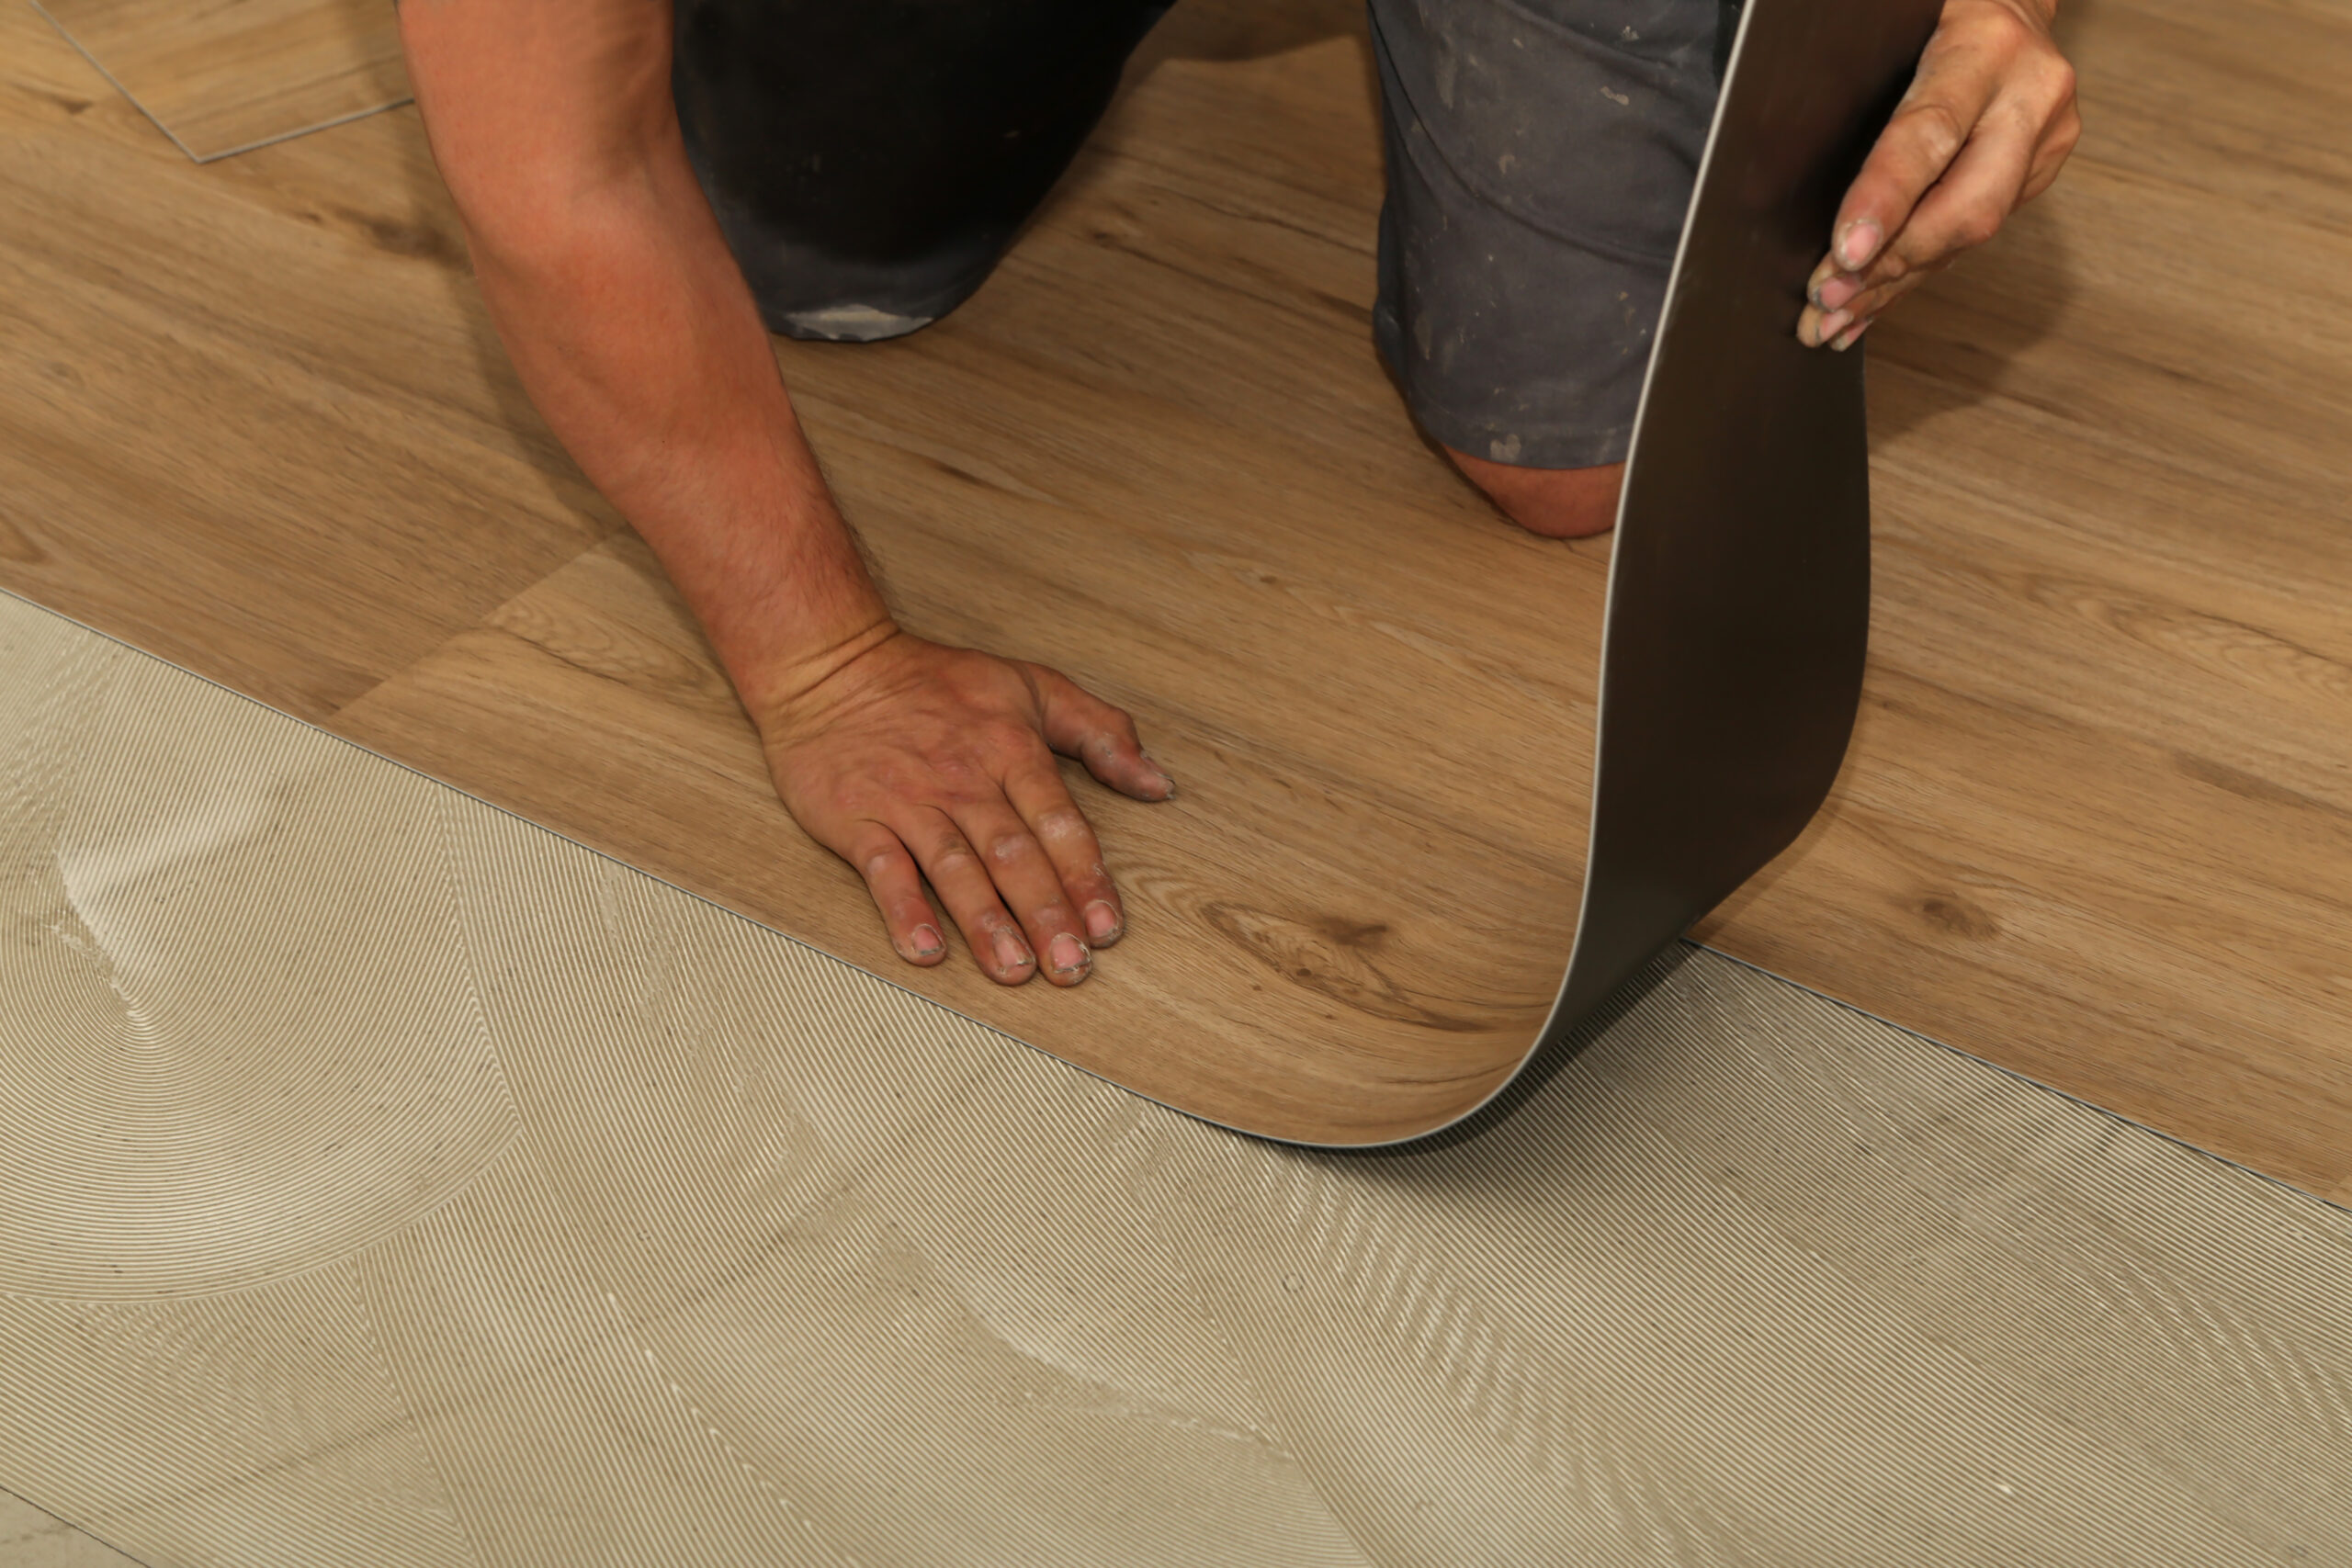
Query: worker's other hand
x=1989 y=119
x=914 y=759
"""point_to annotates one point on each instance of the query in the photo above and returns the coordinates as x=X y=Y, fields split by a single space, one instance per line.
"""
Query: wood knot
x=1955 y=916
x=1334 y=958
x=418 y=241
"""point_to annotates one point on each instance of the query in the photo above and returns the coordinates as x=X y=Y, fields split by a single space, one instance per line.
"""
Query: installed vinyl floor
x=396 y=1181
x=220 y=79
x=2095 y=826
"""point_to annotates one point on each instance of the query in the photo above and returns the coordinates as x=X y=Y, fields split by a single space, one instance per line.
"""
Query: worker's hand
x=914 y=759
x=1988 y=119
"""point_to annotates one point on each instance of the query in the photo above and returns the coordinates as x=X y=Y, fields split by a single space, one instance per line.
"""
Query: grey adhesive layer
x=387 y=1180
x=31 y=1538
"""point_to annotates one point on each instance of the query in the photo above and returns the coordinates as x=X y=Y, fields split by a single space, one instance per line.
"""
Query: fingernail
x=1836 y=291
x=1167 y=785
x=1011 y=952
x=928 y=942
x=1831 y=325
x=1070 y=954
x=1857 y=244
x=1102 y=923
x=1853 y=336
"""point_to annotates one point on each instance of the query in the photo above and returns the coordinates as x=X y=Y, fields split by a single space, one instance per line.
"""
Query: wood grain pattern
x=191 y=451
x=228 y=75
x=2092 y=829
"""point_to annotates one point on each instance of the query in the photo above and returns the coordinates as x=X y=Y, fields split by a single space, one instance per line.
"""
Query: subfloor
x=410 y=1185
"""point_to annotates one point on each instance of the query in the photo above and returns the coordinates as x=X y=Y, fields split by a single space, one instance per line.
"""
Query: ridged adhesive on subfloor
x=389 y=1180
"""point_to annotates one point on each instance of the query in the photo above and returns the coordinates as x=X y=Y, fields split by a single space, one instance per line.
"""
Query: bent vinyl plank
x=223 y=78
x=1294 y=597
x=1738 y=608
x=415 y=1185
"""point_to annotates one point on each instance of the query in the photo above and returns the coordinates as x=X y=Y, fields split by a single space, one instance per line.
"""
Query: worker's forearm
x=639 y=341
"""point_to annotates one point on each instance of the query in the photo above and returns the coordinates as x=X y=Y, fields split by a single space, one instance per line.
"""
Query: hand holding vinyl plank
x=1987 y=123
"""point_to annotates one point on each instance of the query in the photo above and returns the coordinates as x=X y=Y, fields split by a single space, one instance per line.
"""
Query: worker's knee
x=1559 y=504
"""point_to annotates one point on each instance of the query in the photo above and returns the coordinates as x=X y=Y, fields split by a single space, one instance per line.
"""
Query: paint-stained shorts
x=871 y=162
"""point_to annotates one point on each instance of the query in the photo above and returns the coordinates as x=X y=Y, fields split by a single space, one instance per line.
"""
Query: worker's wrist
x=779 y=647
x=785 y=602
x=2039 y=15
x=780 y=686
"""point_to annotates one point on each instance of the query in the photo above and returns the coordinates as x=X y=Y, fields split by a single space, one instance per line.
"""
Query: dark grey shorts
x=1540 y=156
x=871 y=161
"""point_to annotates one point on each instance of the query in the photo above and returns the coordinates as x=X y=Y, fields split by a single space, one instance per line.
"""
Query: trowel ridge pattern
x=739 y=1254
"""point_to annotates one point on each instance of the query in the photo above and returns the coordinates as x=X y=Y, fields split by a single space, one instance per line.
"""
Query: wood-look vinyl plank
x=1346 y=970
x=227 y=76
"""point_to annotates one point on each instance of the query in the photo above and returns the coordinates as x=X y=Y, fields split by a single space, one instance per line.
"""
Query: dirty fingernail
x=1834 y=293
x=1853 y=336
x=1831 y=325
x=1159 y=776
x=1859 y=243
x=1102 y=923
x=1070 y=954
x=928 y=943
x=1011 y=952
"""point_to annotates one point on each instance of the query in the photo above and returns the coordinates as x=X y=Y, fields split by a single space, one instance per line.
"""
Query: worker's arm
x=1987 y=121
x=615 y=294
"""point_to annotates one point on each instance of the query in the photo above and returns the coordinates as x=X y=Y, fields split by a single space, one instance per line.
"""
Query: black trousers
x=870 y=160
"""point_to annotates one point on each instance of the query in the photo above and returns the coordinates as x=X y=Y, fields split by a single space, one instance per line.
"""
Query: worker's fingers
x=1044 y=804
x=1956 y=82
x=961 y=877
x=1846 y=337
x=892 y=877
x=1843 y=329
x=1029 y=886
x=1987 y=123
x=1078 y=724
x=2057 y=144
x=1966 y=209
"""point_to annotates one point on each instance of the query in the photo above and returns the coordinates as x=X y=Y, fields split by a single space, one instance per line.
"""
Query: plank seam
x=193 y=155
x=99 y=66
